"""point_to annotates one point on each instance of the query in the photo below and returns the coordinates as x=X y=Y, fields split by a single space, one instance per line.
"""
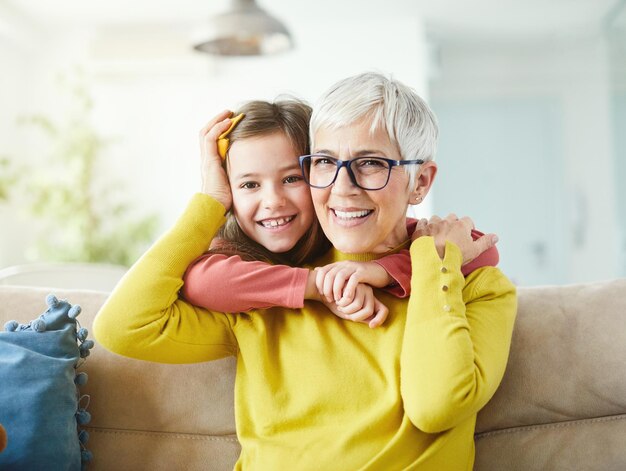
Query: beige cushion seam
x=571 y=423
x=187 y=436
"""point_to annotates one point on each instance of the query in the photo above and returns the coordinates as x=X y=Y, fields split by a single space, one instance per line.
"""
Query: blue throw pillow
x=40 y=406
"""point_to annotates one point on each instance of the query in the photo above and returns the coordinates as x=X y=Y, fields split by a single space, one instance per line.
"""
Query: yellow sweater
x=315 y=392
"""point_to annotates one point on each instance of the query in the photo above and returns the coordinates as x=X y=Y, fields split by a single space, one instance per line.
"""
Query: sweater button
x=447 y=308
x=444 y=270
x=444 y=287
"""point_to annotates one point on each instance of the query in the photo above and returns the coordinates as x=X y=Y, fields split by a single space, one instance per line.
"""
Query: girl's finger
x=349 y=290
x=421 y=229
x=215 y=131
x=380 y=315
x=368 y=306
x=339 y=285
x=322 y=277
x=213 y=121
x=327 y=288
x=355 y=306
x=366 y=309
x=468 y=222
x=359 y=315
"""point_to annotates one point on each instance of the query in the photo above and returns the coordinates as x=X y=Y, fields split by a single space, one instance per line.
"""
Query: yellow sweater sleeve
x=457 y=337
x=145 y=318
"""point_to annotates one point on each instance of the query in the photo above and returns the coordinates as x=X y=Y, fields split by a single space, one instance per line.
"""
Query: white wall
x=576 y=75
x=14 y=63
x=618 y=86
x=152 y=94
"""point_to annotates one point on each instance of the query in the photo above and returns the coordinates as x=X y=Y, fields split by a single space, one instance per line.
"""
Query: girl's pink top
x=226 y=283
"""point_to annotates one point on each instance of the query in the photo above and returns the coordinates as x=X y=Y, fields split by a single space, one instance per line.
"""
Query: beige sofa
x=561 y=405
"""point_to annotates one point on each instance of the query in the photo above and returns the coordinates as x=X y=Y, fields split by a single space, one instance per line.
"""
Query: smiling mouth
x=349 y=215
x=276 y=222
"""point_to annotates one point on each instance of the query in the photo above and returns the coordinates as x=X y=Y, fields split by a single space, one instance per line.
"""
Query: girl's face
x=271 y=201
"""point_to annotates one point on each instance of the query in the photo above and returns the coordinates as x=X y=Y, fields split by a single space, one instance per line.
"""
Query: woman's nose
x=343 y=183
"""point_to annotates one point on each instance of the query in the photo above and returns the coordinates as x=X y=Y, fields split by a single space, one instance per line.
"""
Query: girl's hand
x=365 y=308
x=214 y=178
x=337 y=282
x=455 y=230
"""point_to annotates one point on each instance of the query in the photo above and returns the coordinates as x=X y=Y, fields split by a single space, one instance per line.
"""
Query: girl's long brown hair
x=291 y=117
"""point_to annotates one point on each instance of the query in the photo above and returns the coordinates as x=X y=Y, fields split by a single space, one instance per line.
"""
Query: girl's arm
x=398 y=266
x=457 y=335
x=230 y=284
x=337 y=281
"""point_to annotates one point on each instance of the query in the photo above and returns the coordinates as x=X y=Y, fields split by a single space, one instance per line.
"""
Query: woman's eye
x=371 y=163
x=293 y=179
x=249 y=185
x=319 y=161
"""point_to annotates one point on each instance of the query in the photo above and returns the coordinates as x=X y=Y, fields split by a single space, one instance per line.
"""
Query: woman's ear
x=423 y=181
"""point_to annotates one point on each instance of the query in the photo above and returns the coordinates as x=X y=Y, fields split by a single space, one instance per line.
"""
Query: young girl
x=272 y=229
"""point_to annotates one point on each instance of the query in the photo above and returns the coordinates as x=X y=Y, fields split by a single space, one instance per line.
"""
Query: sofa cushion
x=562 y=401
x=39 y=402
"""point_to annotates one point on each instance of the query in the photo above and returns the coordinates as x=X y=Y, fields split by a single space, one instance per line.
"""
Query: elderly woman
x=314 y=391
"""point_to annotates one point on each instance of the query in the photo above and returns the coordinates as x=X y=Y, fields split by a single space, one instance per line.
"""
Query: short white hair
x=389 y=104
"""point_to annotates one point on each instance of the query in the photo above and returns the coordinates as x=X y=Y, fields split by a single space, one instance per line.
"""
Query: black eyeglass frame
x=339 y=164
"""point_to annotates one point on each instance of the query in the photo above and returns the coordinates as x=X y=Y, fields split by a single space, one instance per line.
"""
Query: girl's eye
x=249 y=185
x=293 y=179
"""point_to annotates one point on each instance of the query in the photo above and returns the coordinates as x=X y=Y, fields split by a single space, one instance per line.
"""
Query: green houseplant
x=81 y=212
x=8 y=178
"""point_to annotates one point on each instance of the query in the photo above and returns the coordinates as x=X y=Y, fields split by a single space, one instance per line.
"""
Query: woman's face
x=356 y=220
x=271 y=201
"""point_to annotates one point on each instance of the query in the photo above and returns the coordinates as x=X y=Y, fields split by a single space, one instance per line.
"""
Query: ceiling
x=444 y=19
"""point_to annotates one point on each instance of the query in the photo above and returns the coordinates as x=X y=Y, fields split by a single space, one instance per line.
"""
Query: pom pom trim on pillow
x=54 y=344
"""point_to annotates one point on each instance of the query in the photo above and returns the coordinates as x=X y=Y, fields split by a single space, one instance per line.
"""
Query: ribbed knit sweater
x=313 y=391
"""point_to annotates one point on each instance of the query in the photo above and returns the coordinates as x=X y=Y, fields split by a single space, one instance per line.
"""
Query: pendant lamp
x=245 y=30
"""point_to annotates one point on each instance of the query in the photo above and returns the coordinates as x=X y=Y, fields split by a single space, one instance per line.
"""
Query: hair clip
x=223 y=141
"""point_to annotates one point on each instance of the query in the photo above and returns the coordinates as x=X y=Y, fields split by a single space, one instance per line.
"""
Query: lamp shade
x=245 y=30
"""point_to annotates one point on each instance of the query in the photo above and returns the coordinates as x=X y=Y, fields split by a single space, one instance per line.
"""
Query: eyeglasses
x=367 y=173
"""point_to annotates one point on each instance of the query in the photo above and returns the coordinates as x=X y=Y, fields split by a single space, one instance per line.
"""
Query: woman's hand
x=455 y=230
x=365 y=308
x=214 y=178
x=338 y=281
